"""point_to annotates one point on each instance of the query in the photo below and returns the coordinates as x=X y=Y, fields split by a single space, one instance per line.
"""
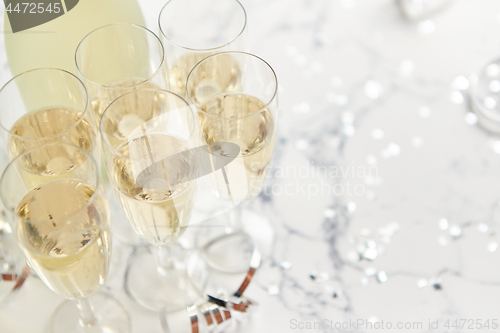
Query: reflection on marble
x=384 y=192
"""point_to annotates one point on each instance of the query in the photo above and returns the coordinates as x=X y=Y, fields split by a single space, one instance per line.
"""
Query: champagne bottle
x=53 y=43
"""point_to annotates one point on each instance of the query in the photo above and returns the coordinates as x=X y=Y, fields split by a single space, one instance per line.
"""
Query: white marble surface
x=362 y=89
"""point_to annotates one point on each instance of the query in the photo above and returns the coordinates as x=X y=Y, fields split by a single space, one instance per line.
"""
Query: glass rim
x=271 y=100
x=80 y=119
x=104 y=136
x=157 y=70
x=17 y=158
x=203 y=49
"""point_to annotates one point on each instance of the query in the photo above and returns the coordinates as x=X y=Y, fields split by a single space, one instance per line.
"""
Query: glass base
x=230 y=251
x=110 y=313
x=170 y=289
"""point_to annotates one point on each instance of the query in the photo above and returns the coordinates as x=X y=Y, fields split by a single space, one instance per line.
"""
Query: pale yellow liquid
x=50 y=126
x=54 y=125
x=255 y=135
x=129 y=104
x=160 y=209
x=224 y=73
x=65 y=239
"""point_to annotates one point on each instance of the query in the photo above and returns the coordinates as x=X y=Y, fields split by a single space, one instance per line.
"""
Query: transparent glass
x=118 y=58
x=39 y=107
x=63 y=227
x=113 y=60
x=148 y=136
x=43 y=106
x=192 y=30
x=244 y=113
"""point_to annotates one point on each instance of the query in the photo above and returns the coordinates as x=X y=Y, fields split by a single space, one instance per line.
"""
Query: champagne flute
x=147 y=150
x=246 y=114
x=192 y=30
x=39 y=107
x=62 y=225
x=113 y=60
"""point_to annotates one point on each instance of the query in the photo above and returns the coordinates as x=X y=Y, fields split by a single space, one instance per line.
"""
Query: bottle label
x=26 y=14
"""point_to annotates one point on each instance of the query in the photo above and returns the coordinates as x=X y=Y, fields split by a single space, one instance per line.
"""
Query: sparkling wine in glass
x=245 y=114
x=63 y=227
x=147 y=149
x=39 y=107
x=113 y=60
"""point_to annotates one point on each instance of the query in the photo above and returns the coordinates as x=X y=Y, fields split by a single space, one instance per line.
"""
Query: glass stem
x=88 y=321
x=234 y=223
x=164 y=259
